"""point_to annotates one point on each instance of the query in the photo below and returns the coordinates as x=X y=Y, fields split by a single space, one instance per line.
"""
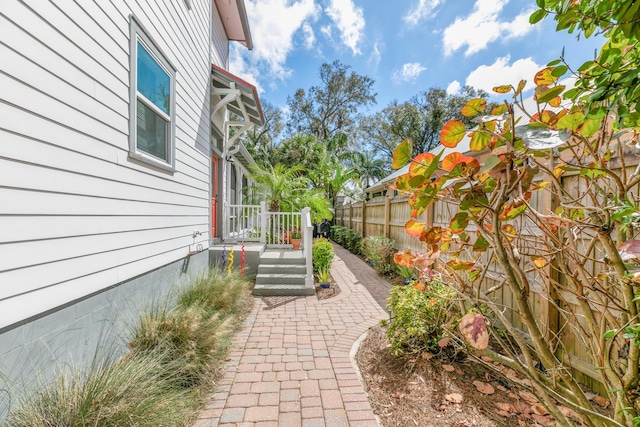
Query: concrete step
x=271 y=289
x=282 y=269
x=284 y=279
x=282 y=257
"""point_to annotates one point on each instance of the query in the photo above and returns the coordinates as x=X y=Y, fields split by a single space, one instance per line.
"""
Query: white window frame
x=138 y=34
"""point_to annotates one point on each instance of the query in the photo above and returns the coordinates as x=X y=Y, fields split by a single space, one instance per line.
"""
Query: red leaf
x=452 y=133
x=474 y=330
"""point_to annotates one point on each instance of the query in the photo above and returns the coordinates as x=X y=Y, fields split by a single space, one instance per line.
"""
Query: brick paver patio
x=291 y=364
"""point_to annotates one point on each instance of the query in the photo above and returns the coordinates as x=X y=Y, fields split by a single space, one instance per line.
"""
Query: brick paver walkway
x=291 y=364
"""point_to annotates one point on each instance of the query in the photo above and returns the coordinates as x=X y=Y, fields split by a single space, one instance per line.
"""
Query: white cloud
x=350 y=22
x=425 y=9
x=309 y=35
x=273 y=26
x=454 y=88
x=499 y=73
x=240 y=67
x=376 y=56
x=409 y=72
x=484 y=26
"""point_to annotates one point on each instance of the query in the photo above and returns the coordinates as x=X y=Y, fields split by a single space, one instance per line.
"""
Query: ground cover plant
x=175 y=350
x=542 y=247
x=379 y=250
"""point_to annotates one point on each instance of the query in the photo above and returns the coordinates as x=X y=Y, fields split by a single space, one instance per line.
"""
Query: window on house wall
x=152 y=97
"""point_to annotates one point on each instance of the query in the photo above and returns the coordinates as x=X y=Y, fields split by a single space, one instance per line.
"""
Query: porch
x=260 y=243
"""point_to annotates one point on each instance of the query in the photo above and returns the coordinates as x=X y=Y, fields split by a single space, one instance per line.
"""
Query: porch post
x=263 y=222
x=307 y=241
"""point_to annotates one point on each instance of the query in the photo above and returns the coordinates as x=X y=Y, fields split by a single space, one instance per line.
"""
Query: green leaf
x=551 y=93
x=559 y=71
x=610 y=334
x=537 y=16
x=481 y=244
x=402 y=154
x=491 y=162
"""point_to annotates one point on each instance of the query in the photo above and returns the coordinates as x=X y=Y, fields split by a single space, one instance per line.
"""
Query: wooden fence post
x=351 y=216
x=364 y=218
x=387 y=217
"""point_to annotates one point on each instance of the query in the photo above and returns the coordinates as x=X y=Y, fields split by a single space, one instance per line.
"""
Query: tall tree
x=332 y=107
x=419 y=119
x=369 y=166
x=261 y=141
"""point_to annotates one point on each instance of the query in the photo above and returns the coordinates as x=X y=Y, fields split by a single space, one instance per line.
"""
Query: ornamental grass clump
x=138 y=390
x=174 y=351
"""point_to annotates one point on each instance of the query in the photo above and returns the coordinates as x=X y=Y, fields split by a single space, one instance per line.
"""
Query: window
x=152 y=95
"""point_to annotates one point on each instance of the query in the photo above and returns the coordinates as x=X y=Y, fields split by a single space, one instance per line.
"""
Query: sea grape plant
x=573 y=257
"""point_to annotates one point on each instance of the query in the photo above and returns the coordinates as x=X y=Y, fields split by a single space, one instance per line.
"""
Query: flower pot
x=296 y=243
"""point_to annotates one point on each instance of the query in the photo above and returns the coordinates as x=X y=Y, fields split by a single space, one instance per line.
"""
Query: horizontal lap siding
x=76 y=215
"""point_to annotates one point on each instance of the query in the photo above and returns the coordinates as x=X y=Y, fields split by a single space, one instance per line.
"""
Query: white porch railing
x=254 y=223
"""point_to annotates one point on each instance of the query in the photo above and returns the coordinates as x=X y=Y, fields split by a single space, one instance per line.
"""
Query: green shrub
x=135 y=391
x=322 y=254
x=379 y=250
x=339 y=234
x=419 y=317
x=353 y=242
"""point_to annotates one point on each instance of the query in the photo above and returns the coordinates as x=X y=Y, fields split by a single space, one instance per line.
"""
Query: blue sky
x=406 y=46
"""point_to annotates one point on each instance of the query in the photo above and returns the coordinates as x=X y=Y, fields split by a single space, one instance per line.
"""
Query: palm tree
x=280 y=186
x=370 y=168
x=285 y=189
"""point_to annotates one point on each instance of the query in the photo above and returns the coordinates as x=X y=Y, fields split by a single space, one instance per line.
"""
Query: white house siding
x=219 y=43
x=76 y=214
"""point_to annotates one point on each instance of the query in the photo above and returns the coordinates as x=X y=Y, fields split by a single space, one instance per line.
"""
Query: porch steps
x=281 y=273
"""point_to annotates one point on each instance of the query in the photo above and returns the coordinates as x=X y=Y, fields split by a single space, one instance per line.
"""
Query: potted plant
x=407 y=273
x=296 y=238
x=324 y=277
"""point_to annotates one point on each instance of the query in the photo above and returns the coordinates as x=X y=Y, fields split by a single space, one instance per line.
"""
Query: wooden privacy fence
x=386 y=216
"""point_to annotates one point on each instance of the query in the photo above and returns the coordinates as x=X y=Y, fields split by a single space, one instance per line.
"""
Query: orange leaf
x=502 y=89
x=510 y=231
x=432 y=235
x=419 y=286
x=555 y=102
x=420 y=164
x=404 y=259
x=544 y=77
x=539 y=262
x=414 y=228
x=451 y=160
x=474 y=330
x=474 y=106
x=452 y=133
